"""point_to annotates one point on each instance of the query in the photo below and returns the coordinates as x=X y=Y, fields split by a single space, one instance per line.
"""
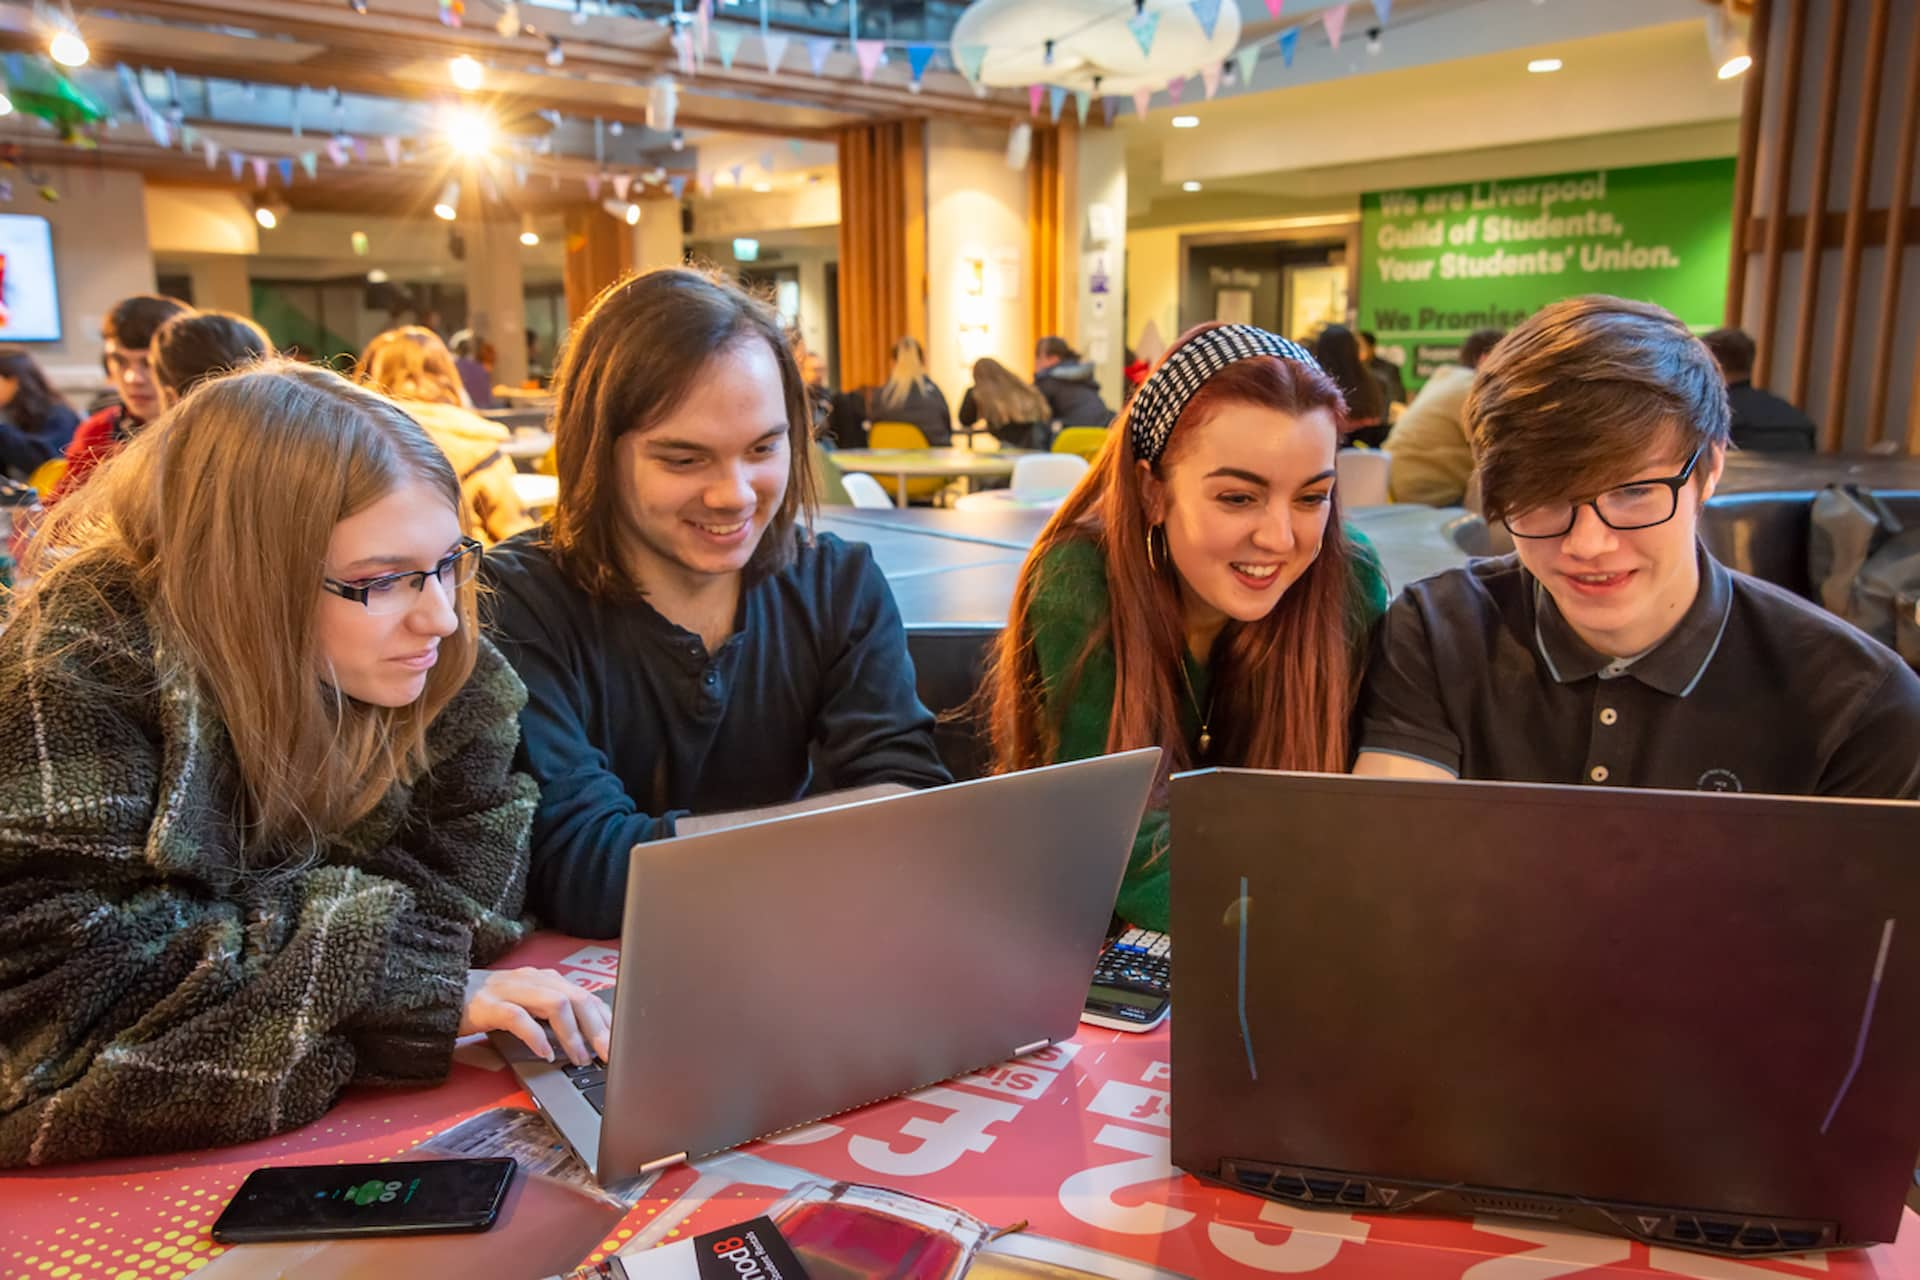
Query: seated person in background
x=1015 y=413
x=1431 y=447
x=1762 y=421
x=36 y=422
x=249 y=855
x=197 y=345
x=128 y=336
x=414 y=367
x=1339 y=354
x=1073 y=397
x=909 y=395
x=1197 y=591
x=475 y=376
x=1612 y=647
x=1385 y=372
x=687 y=648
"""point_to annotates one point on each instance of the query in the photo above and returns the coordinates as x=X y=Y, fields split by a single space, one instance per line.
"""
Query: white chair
x=1360 y=475
x=1047 y=475
x=866 y=491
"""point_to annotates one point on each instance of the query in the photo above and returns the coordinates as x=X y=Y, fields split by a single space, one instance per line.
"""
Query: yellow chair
x=548 y=463
x=1085 y=441
x=47 y=475
x=903 y=435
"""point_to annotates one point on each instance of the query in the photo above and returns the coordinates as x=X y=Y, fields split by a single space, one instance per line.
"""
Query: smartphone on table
x=412 y=1197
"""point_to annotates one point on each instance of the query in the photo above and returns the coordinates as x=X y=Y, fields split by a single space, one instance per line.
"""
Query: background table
x=1073 y=1140
x=908 y=464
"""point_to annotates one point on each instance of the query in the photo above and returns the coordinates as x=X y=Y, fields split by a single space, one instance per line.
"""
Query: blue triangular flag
x=1288 y=38
x=1207 y=14
x=1109 y=107
x=234 y=161
x=678 y=185
x=1143 y=26
x=1246 y=60
x=818 y=51
x=1383 y=10
x=1081 y=101
x=286 y=172
x=726 y=41
x=918 y=56
x=1056 y=98
x=971 y=58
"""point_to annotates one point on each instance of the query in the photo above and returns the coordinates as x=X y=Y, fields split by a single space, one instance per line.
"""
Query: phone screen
x=303 y=1202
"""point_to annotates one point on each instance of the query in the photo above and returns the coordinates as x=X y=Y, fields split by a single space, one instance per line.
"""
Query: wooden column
x=599 y=252
x=1050 y=205
x=883 y=246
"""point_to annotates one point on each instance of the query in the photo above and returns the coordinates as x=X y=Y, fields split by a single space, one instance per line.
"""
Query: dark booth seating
x=1767 y=534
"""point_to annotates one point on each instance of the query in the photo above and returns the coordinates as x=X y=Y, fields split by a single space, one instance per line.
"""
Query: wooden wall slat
x=1817 y=206
x=1901 y=221
x=1858 y=190
x=882 y=238
x=1782 y=177
x=1753 y=95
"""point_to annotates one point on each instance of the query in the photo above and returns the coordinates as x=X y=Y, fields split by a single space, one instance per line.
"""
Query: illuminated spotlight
x=68 y=49
x=761 y=188
x=467 y=74
x=529 y=236
x=1186 y=122
x=1736 y=65
x=625 y=210
x=679 y=140
x=633 y=214
x=1727 y=45
x=377 y=276
x=447 y=207
x=469 y=131
x=1189 y=186
x=1540 y=66
x=266 y=217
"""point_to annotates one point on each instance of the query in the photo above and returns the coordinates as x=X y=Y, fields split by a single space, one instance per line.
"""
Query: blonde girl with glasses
x=258 y=818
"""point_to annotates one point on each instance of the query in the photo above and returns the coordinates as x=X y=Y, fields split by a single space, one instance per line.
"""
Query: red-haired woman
x=1197 y=591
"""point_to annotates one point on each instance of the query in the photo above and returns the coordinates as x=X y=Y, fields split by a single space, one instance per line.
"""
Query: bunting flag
x=391 y=145
x=336 y=152
x=819 y=50
x=1383 y=10
x=1142 y=102
x=622 y=183
x=452 y=12
x=259 y=171
x=702 y=30
x=212 y=149
x=1288 y=39
x=1245 y=61
x=766 y=162
x=310 y=162
x=1207 y=14
x=796 y=147
x=1274 y=7
x=869 y=52
x=285 y=166
x=1176 y=87
x=234 y=161
x=593 y=186
x=918 y=57
x=683 y=46
x=727 y=41
x=678 y=184
x=971 y=57
x=775 y=48
x=706 y=184
x=1081 y=101
x=1336 y=21
x=1109 y=108
x=1210 y=79
x=360 y=150
x=1034 y=93
x=1144 y=25
x=1056 y=98
x=189 y=137
x=736 y=171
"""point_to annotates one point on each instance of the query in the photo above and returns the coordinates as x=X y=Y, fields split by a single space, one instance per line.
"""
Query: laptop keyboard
x=591 y=1081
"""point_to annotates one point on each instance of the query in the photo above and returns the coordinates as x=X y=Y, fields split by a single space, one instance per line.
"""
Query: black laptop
x=1689 y=1018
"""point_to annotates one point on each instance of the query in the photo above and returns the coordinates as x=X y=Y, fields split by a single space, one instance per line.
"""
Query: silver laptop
x=778 y=972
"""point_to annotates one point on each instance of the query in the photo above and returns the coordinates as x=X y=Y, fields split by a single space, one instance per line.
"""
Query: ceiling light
x=1727 y=44
x=1540 y=66
x=467 y=74
x=469 y=131
x=1736 y=65
x=266 y=217
x=1189 y=186
x=377 y=276
x=68 y=49
x=555 y=54
x=1186 y=122
x=625 y=210
x=679 y=140
x=447 y=207
x=761 y=188
x=633 y=214
x=528 y=235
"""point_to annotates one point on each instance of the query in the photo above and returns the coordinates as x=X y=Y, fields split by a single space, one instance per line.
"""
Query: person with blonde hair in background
x=258 y=812
x=197 y=345
x=909 y=395
x=1013 y=409
x=413 y=366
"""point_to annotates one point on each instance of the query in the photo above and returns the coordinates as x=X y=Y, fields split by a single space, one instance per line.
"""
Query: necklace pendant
x=1206 y=740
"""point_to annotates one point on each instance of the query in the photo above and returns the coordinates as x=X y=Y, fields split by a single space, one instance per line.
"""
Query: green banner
x=1440 y=262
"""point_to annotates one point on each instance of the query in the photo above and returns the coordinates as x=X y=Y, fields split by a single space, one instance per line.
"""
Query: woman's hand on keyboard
x=516 y=1001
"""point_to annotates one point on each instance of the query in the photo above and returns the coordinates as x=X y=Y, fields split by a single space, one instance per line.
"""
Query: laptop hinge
x=1035 y=1047
x=654 y=1166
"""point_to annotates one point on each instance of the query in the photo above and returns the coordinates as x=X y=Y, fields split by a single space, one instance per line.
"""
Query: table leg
x=900 y=486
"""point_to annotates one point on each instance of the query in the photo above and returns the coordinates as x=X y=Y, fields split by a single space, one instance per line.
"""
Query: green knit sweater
x=153 y=997
x=1069 y=604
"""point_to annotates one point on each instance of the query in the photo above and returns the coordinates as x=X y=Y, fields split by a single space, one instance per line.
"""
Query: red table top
x=1073 y=1140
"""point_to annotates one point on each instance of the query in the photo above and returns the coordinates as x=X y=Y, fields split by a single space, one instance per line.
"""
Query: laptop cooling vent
x=1739 y=1235
x=1515 y=1207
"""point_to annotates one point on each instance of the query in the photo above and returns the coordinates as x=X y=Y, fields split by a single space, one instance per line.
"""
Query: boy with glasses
x=1612 y=648
x=127 y=334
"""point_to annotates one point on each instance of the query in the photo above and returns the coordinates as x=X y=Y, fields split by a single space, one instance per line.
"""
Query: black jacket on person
x=23 y=449
x=1386 y=374
x=1765 y=423
x=924 y=406
x=1021 y=435
x=630 y=723
x=1073 y=396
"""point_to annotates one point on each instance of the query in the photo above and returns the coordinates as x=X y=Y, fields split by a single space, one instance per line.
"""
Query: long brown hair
x=220 y=515
x=36 y=398
x=630 y=360
x=411 y=363
x=1003 y=397
x=1284 y=686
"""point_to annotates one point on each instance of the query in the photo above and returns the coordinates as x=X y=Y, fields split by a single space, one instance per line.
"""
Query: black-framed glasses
x=387 y=593
x=1639 y=505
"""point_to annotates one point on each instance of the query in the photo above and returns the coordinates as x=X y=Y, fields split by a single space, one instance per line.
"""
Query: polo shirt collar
x=1674 y=666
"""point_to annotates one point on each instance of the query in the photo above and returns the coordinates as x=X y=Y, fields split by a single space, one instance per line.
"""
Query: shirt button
x=713 y=678
x=1598 y=773
x=1608 y=715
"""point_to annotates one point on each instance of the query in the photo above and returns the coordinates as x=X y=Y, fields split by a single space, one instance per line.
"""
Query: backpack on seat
x=1865 y=566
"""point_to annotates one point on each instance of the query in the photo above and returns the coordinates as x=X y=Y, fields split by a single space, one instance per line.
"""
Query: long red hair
x=1283 y=686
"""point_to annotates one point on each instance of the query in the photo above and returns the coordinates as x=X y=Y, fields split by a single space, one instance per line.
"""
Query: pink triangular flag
x=336 y=152
x=1035 y=92
x=775 y=48
x=706 y=184
x=621 y=182
x=593 y=186
x=1176 y=87
x=1336 y=20
x=212 y=149
x=869 y=52
x=1142 y=102
x=259 y=171
x=391 y=145
x=1274 y=7
x=1210 y=78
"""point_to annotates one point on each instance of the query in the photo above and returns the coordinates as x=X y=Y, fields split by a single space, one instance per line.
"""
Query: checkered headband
x=1164 y=396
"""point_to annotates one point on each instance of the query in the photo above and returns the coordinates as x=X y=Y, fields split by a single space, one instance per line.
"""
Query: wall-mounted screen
x=29 y=300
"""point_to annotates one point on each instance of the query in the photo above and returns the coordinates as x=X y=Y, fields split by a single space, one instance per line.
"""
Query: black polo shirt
x=1474 y=670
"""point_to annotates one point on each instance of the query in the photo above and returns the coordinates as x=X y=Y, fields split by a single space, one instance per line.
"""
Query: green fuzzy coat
x=153 y=998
